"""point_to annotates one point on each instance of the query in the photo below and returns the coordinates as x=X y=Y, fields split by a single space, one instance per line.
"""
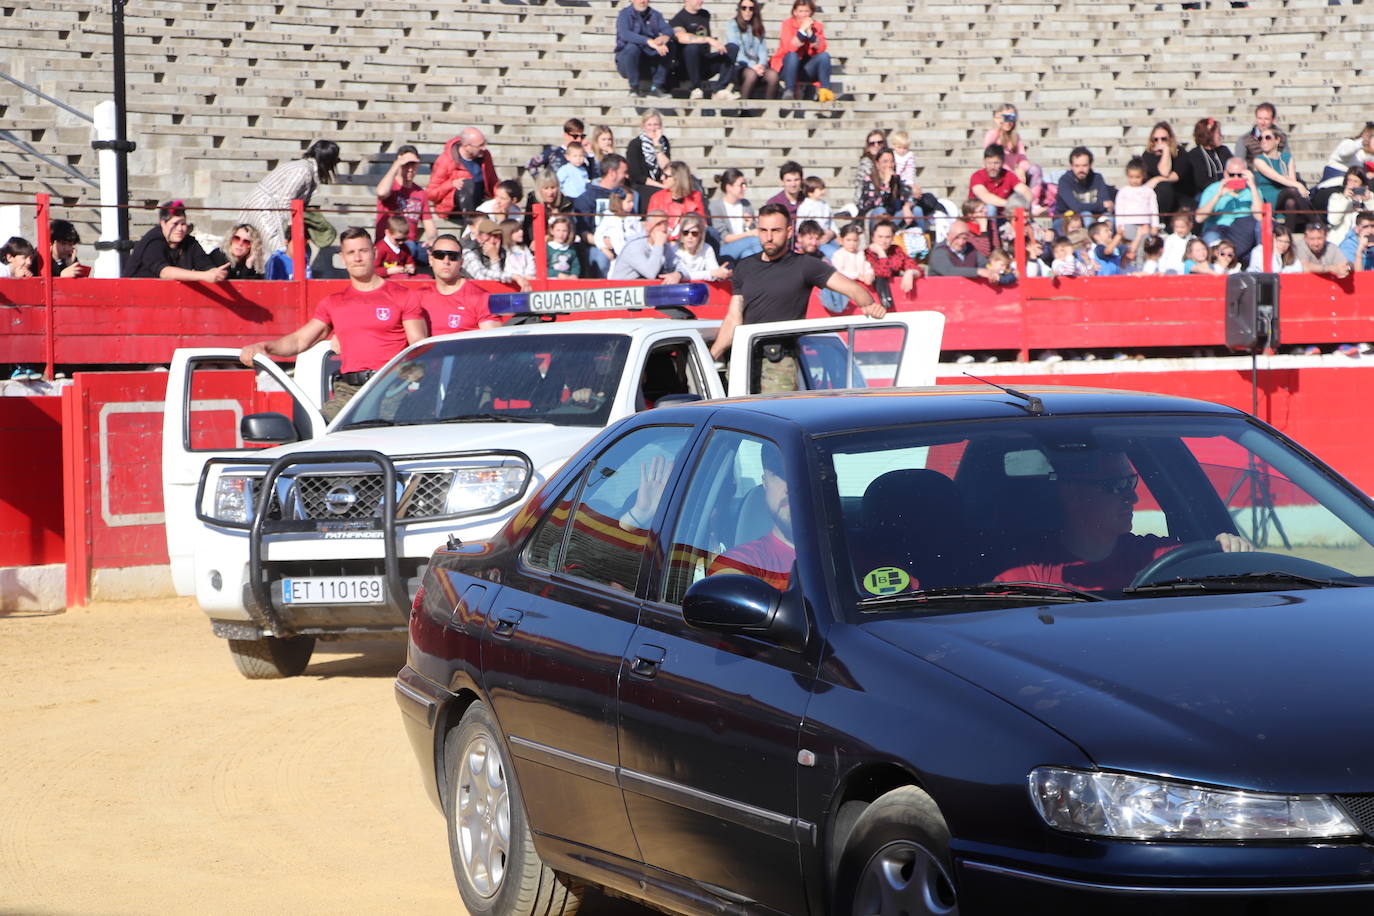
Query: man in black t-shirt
x=775 y=285
x=702 y=55
x=170 y=252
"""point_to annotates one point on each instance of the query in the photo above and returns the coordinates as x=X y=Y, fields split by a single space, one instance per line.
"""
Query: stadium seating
x=219 y=93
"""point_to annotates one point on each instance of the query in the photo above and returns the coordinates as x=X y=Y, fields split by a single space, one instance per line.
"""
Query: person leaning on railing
x=65 y=262
x=169 y=251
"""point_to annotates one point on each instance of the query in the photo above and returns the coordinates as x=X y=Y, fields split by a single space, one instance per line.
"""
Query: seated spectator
x=1230 y=208
x=813 y=207
x=267 y=207
x=1319 y=256
x=487 y=259
x=1165 y=165
x=643 y=48
x=849 y=261
x=889 y=261
x=790 y=194
x=691 y=256
x=809 y=237
x=19 y=260
x=732 y=217
x=463 y=176
x=553 y=157
x=602 y=145
x=704 y=57
x=65 y=238
x=1248 y=144
x=746 y=32
x=1355 y=152
x=1004 y=133
x=1176 y=242
x=593 y=203
x=561 y=255
x=1277 y=179
x=1204 y=163
x=956 y=256
x=519 y=259
x=617 y=225
x=399 y=195
x=279 y=265
x=999 y=263
x=1342 y=208
x=1038 y=260
x=997 y=187
x=1197 y=258
x=863 y=170
x=169 y=251
x=885 y=194
x=1284 y=259
x=679 y=198
x=573 y=175
x=1223 y=259
x=982 y=237
x=1358 y=246
x=648 y=256
x=1137 y=207
x=1066 y=263
x=903 y=157
x=801 y=56
x=1147 y=263
x=242 y=252
x=393 y=256
x=1106 y=251
x=547 y=192
x=504 y=203
x=649 y=156
x=1081 y=190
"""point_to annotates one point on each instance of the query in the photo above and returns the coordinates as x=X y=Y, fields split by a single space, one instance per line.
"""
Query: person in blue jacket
x=1083 y=191
x=643 y=42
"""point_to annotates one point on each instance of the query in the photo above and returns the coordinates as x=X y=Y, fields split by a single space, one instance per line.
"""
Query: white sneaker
x=725 y=92
x=696 y=94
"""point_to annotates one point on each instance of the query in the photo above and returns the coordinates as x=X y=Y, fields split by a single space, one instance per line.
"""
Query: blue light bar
x=599 y=298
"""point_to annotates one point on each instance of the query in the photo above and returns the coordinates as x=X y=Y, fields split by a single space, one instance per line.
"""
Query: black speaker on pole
x=1252 y=312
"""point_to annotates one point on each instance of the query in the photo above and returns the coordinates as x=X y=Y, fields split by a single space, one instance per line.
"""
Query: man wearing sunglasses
x=1248 y=143
x=1094 y=548
x=1229 y=209
x=555 y=157
x=453 y=304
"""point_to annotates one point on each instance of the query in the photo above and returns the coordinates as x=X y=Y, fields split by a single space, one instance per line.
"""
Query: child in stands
x=562 y=256
x=905 y=159
x=1196 y=259
x=1176 y=243
x=1000 y=261
x=814 y=207
x=1148 y=264
x=1106 y=249
x=519 y=258
x=573 y=175
x=850 y=260
x=393 y=255
x=1137 y=208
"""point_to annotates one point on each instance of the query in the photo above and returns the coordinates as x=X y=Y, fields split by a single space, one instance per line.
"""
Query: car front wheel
x=494 y=861
x=896 y=860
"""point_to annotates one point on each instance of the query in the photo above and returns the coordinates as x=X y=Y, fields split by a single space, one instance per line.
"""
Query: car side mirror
x=671 y=400
x=267 y=429
x=738 y=603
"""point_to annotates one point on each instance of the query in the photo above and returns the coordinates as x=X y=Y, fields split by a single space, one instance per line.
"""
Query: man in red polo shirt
x=372 y=319
x=993 y=184
x=454 y=304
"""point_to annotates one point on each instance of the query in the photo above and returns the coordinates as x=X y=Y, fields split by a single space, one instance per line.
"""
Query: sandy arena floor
x=140 y=773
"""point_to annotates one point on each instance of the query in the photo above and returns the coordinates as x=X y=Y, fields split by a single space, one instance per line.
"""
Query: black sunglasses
x=1235 y=174
x=1268 y=137
x=577 y=136
x=446 y=255
x=1117 y=486
x=692 y=232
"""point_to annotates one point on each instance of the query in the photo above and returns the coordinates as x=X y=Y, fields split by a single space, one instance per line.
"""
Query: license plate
x=334 y=590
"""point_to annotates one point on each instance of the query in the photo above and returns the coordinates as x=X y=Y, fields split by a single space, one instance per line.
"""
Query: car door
x=208 y=392
x=709 y=721
x=556 y=634
x=901 y=349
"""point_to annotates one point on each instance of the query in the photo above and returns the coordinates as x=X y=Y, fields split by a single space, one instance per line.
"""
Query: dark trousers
x=701 y=63
x=639 y=62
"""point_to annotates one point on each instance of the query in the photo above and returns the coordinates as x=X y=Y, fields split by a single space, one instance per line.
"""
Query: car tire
x=897 y=860
x=272 y=656
x=494 y=860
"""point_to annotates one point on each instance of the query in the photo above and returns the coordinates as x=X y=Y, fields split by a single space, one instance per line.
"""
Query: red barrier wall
x=31 y=481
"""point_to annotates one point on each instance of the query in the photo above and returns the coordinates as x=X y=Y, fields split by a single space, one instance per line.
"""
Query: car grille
x=1361 y=810
x=351 y=496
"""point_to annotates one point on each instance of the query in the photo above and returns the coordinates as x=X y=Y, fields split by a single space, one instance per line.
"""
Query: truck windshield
x=566 y=380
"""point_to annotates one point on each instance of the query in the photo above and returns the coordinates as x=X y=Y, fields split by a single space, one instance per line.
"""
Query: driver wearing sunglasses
x=1093 y=548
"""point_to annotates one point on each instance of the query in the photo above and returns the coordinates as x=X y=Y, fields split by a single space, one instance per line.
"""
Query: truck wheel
x=494 y=861
x=897 y=860
x=272 y=656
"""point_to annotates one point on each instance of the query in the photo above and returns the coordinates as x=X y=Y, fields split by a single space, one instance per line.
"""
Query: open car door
x=208 y=392
x=901 y=349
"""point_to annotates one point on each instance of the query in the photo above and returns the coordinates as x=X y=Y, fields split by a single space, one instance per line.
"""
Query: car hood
x=1267 y=691
x=542 y=442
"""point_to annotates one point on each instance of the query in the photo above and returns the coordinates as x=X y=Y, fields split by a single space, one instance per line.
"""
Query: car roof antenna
x=1034 y=406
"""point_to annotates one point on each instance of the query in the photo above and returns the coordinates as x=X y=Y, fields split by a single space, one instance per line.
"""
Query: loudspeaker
x=1252 y=312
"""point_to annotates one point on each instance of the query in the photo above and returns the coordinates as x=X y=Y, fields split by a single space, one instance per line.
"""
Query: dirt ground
x=140 y=773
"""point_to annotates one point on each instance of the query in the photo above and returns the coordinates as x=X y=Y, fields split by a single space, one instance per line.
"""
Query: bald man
x=463 y=176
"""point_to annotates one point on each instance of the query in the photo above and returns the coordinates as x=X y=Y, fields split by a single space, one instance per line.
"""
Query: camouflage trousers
x=343 y=393
x=778 y=376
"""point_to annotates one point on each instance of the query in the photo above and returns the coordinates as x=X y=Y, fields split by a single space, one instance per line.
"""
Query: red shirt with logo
x=464 y=310
x=409 y=203
x=368 y=325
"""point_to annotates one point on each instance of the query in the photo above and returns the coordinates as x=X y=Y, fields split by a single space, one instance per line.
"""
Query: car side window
x=547 y=543
x=669 y=369
x=734 y=516
x=608 y=529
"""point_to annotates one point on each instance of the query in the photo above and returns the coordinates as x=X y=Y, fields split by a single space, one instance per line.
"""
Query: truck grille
x=423 y=494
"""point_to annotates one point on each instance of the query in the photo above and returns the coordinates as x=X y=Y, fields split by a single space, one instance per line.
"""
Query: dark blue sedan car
x=898 y=652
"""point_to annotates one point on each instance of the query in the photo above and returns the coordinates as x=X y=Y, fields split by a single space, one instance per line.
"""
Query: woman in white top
x=267 y=207
x=1342 y=206
x=1352 y=152
x=692 y=257
x=617 y=225
x=1283 y=260
x=732 y=217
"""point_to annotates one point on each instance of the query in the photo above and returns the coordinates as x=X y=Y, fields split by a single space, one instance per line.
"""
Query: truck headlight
x=481 y=488
x=234 y=499
x=1152 y=808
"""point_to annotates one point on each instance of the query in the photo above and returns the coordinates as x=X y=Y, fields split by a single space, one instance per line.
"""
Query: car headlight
x=481 y=488
x=1152 y=808
x=234 y=499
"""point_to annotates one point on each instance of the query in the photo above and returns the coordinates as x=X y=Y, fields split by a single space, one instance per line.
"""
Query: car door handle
x=647 y=660
x=506 y=622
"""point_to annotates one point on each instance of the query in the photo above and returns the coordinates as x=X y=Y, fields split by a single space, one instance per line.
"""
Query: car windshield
x=939 y=519
x=563 y=379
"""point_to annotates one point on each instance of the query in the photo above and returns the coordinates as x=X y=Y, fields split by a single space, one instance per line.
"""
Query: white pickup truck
x=326 y=534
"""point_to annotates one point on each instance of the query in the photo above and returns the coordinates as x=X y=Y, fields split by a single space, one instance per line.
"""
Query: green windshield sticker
x=886 y=580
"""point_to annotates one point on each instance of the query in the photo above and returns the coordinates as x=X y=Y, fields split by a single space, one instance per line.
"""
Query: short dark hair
x=448 y=237
x=1315 y=223
x=994 y=149
x=810 y=227
x=1153 y=245
x=354 y=232
x=408 y=148
x=884 y=223
x=813 y=183
x=574 y=125
x=18 y=247
x=62 y=230
x=1136 y=164
x=511 y=187
x=789 y=168
x=775 y=210
x=610 y=162
x=1081 y=151
x=1267 y=106
x=1364 y=216
x=1060 y=240
x=171 y=208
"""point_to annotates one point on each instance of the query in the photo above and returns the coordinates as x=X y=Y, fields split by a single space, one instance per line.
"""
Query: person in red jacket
x=678 y=199
x=463 y=176
x=801 y=56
